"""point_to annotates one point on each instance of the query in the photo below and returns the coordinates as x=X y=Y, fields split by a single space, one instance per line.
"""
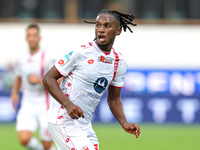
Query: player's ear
x=118 y=31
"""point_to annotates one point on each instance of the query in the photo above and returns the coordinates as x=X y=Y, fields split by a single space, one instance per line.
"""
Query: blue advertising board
x=148 y=95
x=154 y=108
x=158 y=95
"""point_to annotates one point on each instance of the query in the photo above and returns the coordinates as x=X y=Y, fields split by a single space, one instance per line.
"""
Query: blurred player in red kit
x=30 y=69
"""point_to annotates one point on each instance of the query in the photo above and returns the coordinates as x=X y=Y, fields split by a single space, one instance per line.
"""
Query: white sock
x=34 y=144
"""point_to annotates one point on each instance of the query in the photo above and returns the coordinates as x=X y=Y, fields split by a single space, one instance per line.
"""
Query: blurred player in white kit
x=31 y=67
x=87 y=72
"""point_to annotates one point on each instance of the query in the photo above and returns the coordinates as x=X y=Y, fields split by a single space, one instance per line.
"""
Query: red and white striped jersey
x=87 y=72
x=37 y=64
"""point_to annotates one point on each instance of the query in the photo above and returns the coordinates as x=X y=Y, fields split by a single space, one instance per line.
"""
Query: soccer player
x=88 y=71
x=30 y=69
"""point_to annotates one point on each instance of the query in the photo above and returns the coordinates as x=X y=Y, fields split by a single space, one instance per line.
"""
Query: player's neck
x=34 y=50
x=105 y=48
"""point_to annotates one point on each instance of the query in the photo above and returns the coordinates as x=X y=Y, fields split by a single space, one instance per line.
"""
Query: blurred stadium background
x=162 y=84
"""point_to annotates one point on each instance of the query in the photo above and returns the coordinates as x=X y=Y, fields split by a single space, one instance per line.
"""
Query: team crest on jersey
x=100 y=84
x=105 y=60
x=69 y=55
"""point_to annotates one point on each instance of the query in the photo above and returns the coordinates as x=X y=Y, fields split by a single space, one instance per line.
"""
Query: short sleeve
x=68 y=62
x=118 y=81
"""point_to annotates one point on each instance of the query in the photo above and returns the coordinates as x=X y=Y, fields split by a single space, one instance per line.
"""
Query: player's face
x=33 y=38
x=107 y=27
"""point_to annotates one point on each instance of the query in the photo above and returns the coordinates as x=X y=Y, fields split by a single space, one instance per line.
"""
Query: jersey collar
x=106 y=53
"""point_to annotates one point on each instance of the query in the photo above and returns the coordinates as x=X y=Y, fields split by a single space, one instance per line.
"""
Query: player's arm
x=36 y=80
x=15 y=91
x=50 y=82
x=116 y=107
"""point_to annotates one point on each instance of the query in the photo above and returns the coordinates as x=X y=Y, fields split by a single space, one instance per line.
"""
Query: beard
x=105 y=47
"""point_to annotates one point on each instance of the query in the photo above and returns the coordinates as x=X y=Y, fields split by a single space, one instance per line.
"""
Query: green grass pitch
x=112 y=137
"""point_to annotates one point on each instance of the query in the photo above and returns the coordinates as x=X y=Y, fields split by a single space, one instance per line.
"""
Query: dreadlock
x=124 y=19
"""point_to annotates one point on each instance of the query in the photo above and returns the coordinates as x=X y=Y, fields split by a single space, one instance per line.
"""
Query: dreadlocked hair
x=124 y=19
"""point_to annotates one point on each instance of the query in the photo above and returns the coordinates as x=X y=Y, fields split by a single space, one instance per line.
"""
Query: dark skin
x=50 y=82
x=116 y=107
x=107 y=27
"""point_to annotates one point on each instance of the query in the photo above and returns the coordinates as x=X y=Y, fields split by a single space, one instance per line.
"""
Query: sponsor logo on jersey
x=91 y=61
x=61 y=62
x=69 y=55
x=100 y=84
x=67 y=140
x=105 y=60
x=94 y=96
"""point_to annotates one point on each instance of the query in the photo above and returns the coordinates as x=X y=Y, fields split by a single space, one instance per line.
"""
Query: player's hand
x=34 y=79
x=14 y=100
x=74 y=111
x=132 y=128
